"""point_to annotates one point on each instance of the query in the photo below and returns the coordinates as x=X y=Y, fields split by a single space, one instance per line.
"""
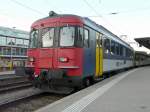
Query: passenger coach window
x=112 y=47
x=67 y=36
x=121 y=50
x=98 y=39
x=117 y=49
x=86 y=38
x=47 y=37
x=106 y=45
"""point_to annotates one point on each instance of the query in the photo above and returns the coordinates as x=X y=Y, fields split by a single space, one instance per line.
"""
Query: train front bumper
x=56 y=78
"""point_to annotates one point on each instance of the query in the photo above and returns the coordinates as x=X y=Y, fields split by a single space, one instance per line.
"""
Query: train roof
x=88 y=22
x=59 y=16
x=103 y=29
x=142 y=53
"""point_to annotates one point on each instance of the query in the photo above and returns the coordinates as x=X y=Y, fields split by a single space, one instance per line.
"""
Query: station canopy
x=145 y=41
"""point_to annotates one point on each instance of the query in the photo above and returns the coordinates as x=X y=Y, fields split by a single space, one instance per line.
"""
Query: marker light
x=31 y=59
x=63 y=59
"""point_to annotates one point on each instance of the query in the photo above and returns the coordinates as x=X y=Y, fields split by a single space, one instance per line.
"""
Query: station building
x=13 y=47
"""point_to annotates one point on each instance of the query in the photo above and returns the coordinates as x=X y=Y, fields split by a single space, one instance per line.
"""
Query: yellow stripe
x=99 y=62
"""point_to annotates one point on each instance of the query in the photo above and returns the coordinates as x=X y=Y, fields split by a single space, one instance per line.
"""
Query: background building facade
x=13 y=47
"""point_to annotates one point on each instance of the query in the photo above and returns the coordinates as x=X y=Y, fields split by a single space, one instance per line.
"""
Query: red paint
x=75 y=59
x=58 y=21
x=48 y=58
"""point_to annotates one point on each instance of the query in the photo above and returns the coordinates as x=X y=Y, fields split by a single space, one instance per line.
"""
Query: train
x=68 y=51
x=141 y=58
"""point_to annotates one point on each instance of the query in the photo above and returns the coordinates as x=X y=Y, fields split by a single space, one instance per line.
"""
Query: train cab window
x=106 y=46
x=112 y=47
x=47 y=37
x=67 y=36
x=33 y=38
x=86 y=38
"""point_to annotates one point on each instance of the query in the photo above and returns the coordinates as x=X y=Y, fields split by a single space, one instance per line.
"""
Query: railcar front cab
x=66 y=43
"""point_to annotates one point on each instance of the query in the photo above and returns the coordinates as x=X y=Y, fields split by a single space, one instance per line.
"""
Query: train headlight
x=63 y=59
x=31 y=59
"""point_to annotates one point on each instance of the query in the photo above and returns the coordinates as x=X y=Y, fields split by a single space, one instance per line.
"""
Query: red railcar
x=68 y=51
x=55 y=57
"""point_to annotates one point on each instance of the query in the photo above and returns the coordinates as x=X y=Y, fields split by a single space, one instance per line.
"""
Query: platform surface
x=124 y=92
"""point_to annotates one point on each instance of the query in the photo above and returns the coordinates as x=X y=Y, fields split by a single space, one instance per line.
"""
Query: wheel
x=87 y=82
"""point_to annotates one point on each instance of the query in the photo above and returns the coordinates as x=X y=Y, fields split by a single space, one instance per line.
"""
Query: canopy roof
x=145 y=41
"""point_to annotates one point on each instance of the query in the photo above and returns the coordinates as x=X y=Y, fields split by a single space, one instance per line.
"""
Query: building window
x=26 y=43
x=18 y=51
x=2 y=40
x=1 y=51
x=6 y=51
x=86 y=38
x=23 y=51
x=13 y=50
x=10 y=41
x=19 y=42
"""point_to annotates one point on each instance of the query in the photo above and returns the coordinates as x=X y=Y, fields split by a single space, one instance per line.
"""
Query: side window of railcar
x=47 y=37
x=113 y=47
x=98 y=39
x=86 y=38
x=117 y=48
x=33 y=38
x=121 y=50
x=79 y=40
x=106 y=45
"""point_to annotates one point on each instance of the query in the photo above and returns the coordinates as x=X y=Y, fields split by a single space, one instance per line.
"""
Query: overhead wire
x=47 y=3
x=99 y=15
x=27 y=7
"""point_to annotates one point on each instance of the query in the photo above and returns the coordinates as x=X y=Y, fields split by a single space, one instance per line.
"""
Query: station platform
x=125 y=92
x=7 y=72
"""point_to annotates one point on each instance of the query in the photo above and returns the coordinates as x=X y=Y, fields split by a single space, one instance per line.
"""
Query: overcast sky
x=130 y=17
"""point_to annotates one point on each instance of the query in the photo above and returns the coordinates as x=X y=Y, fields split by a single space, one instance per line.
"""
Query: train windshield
x=47 y=37
x=67 y=36
x=33 y=38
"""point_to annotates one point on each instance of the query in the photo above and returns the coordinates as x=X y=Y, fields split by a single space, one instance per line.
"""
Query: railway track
x=12 y=82
x=16 y=95
x=18 y=90
x=26 y=100
x=14 y=86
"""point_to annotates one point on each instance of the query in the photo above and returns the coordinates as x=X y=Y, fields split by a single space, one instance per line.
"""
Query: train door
x=99 y=55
